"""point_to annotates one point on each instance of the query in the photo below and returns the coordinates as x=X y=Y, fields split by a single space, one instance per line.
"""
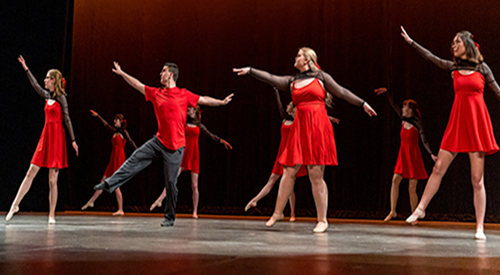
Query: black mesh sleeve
x=280 y=105
x=106 y=124
x=205 y=131
x=441 y=63
x=393 y=104
x=64 y=106
x=420 y=128
x=341 y=92
x=280 y=82
x=42 y=92
x=128 y=138
x=490 y=79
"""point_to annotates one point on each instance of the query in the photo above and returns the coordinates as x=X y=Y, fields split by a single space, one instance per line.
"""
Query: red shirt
x=170 y=105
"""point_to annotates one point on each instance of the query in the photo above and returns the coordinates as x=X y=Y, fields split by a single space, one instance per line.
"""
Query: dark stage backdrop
x=358 y=42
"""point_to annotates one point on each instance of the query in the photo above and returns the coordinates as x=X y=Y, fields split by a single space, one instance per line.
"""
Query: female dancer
x=410 y=164
x=469 y=128
x=191 y=158
x=310 y=142
x=51 y=149
x=120 y=137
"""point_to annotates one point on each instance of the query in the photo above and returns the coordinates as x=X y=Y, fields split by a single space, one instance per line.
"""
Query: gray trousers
x=140 y=159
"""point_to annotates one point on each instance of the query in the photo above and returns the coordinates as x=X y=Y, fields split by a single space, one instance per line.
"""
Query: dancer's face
x=191 y=112
x=300 y=61
x=117 y=122
x=458 y=47
x=165 y=76
x=407 y=111
x=49 y=82
x=290 y=109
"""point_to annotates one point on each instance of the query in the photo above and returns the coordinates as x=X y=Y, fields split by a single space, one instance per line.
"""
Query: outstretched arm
x=104 y=122
x=43 y=93
x=441 y=63
x=280 y=82
x=280 y=105
x=396 y=108
x=215 y=138
x=210 y=101
x=127 y=137
x=136 y=84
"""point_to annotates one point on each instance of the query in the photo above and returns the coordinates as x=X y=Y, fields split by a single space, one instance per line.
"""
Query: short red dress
x=469 y=127
x=51 y=149
x=410 y=164
x=278 y=167
x=311 y=140
x=117 y=155
x=191 y=158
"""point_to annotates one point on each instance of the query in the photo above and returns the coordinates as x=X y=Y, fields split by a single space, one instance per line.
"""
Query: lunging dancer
x=310 y=142
x=120 y=137
x=191 y=158
x=410 y=164
x=469 y=128
x=51 y=149
x=170 y=104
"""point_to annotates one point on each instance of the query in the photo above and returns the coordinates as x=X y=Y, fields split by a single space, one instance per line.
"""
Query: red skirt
x=278 y=167
x=410 y=164
x=117 y=155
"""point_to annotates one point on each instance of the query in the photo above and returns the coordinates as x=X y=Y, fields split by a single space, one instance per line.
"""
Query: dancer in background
x=170 y=105
x=51 y=149
x=469 y=128
x=410 y=164
x=120 y=137
x=311 y=141
x=191 y=158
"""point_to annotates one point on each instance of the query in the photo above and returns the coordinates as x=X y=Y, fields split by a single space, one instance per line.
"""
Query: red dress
x=469 y=127
x=410 y=163
x=191 y=158
x=117 y=155
x=51 y=149
x=311 y=140
x=278 y=167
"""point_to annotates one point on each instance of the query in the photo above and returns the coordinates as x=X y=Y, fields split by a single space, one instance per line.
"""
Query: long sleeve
x=341 y=92
x=490 y=79
x=205 y=131
x=42 y=92
x=128 y=138
x=106 y=124
x=280 y=105
x=64 y=106
x=427 y=55
x=280 y=82
x=420 y=128
x=393 y=104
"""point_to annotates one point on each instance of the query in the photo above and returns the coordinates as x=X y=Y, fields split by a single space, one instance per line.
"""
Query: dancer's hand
x=228 y=99
x=93 y=113
x=242 y=71
x=23 y=62
x=75 y=147
x=405 y=36
x=434 y=158
x=226 y=144
x=117 y=69
x=380 y=91
x=369 y=110
x=334 y=120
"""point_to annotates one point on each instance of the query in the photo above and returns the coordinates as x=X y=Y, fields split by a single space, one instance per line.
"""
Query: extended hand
x=93 y=113
x=242 y=71
x=226 y=144
x=434 y=158
x=369 y=110
x=75 y=147
x=228 y=99
x=23 y=62
x=405 y=36
x=334 y=120
x=117 y=69
x=380 y=91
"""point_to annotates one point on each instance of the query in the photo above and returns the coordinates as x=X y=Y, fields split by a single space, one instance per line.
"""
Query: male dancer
x=170 y=104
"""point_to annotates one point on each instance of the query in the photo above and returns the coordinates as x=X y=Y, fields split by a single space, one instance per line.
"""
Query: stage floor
x=97 y=244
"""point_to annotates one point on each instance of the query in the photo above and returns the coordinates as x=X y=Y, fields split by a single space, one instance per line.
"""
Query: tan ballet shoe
x=274 y=218
x=118 y=213
x=154 y=205
x=320 y=227
x=87 y=205
x=13 y=210
x=250 y=205
x=390 y=217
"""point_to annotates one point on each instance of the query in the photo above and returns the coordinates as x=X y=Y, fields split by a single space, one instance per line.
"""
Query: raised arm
x=65 y=110
x=441 y=63
x=395 y=106
x=280 y=105
x=43 y=93
x=215 y=138
x=280 y=82
x=104 y=122
x=210 y=101
x=490 y=79
x=136 y=84
x=128 y=138
x=343 y=93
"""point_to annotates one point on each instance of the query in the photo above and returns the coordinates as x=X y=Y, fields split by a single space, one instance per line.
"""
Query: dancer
x=170 y=104
x=120 y=137
x=191 y=158
x=410 y=164
x=310 y=142
x=51 y=149
x=469 y=128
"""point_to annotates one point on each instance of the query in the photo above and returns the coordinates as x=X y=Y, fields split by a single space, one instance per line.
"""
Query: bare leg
x=196 y=193
x=412 y=191
x=162 y=196
x=477 y=177
x=265 y=190
x=119 y=199
x=396 y=180
x=291 y=200
x=285 y=190
x=53 y=175
x=320 y=193
x=444 y=160
x=94 y=197
x=23 y=189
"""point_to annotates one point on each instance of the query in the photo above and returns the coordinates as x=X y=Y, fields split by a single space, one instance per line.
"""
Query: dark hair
x=121 y=117
x=173 y=68
x=471 y=50
x=414 y=107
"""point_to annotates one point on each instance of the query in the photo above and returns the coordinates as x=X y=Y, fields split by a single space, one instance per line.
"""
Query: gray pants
x=140 y=159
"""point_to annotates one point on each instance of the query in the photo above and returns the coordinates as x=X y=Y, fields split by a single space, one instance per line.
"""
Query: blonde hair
x=312 y=58
x=58 y=83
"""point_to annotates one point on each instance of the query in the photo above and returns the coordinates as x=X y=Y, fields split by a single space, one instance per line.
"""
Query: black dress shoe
x=167 y=223
x=102 y=186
